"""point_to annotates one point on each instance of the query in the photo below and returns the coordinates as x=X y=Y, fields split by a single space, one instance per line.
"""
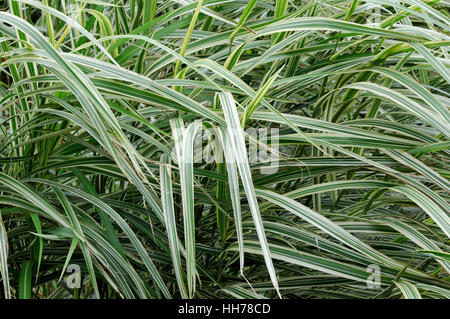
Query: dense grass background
x=94 y=96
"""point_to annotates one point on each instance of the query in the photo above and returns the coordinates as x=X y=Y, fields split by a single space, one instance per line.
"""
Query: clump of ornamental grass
x=326 y=124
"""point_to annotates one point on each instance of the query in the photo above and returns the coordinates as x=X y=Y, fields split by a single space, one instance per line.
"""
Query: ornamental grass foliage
x=224 y=149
